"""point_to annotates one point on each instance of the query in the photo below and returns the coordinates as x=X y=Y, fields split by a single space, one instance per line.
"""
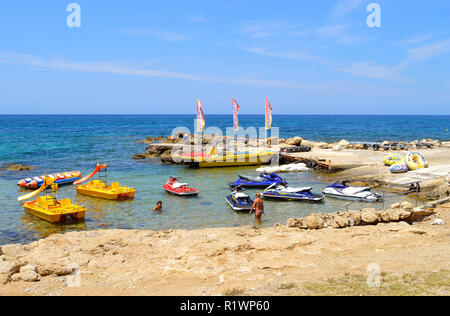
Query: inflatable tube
x=47 y=181
x=60 y=178
x=394 y=159
x=415 y=161
x=399 y=168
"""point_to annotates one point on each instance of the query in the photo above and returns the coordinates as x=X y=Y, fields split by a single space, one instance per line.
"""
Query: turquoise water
x=65 y=143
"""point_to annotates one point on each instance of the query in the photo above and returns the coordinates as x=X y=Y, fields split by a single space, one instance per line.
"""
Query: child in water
x=158 y=206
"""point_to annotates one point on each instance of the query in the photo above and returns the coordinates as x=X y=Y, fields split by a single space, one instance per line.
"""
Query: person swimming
x=158 y=206
x=258 y=206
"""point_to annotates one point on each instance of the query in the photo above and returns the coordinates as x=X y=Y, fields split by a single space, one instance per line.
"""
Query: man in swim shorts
x=258 y=206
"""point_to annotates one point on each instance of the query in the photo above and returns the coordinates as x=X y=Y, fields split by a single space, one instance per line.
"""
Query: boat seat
x=179 y=185
x=252 y=179
x=296 y=190
x=115 y=185
x=65 y=203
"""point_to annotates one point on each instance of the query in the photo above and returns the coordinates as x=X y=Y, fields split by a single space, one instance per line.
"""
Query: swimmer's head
x=258 y=195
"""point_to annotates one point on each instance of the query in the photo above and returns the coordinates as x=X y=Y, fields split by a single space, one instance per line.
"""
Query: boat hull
x=248 y=159
x=291 y=197
x=238 y=208
x=193 y=193
x=351 y=198
x=98 y=189
x=107 y=195
x=56 y=214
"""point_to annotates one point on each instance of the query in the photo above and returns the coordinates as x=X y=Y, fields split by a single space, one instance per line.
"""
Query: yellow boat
x=228 y=160
x=98 y=189
x=50 y=209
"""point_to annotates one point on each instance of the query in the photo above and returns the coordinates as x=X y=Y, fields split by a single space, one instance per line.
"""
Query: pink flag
x=268 y=115
x=200 y=117
x=236 y=115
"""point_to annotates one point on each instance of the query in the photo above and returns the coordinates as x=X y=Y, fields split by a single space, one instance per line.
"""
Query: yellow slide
x=47 y=182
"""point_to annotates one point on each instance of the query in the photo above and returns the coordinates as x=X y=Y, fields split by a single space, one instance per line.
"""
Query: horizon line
x=213 y=114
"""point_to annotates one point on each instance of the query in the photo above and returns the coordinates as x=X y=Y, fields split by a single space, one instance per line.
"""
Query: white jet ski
x=340 y=190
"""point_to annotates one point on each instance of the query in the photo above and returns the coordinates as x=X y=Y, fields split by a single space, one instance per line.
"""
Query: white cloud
x=294 y=55
x=369 y=69
x=429 y=51
x=121 y=68
x=339 y=33
x=161 y=34
x=343 y=7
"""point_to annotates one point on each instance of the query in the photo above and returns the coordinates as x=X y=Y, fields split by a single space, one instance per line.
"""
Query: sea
x=58 y=143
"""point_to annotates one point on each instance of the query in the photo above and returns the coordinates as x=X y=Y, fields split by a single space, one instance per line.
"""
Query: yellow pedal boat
x=50 y=209
x=228 y=160
x=98 y=189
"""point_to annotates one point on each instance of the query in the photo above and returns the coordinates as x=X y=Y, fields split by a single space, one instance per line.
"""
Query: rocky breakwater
x=398 y=212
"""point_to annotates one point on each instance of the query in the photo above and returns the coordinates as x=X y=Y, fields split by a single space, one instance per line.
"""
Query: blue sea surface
x=57 y=143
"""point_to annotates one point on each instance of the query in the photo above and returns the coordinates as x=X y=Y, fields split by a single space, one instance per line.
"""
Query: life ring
x=415 y=161
x=394 y=159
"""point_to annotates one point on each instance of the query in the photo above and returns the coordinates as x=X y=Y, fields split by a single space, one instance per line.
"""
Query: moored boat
x=99 y=189
x=283 y=192
x=173 y=186
x=341 y=190
x=238 y=200
x=233 y=159
x=51 y=209
x=263 y=180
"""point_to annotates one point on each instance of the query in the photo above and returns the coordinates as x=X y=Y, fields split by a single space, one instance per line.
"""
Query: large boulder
x=356 y=216
x=9 y=267
x=384 y=216
x=344 y=143
x=311 y=222
x=394 y=215
x=14 y=250
x=307 y=143
x=27 y=273
x=293 y=222
x=406 y=205
x=369 y=216
x=340 y=221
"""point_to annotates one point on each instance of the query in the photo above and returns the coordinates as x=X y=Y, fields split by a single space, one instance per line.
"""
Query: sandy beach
x=235 y=261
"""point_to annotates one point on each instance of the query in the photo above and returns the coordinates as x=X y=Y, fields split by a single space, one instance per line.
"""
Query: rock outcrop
x=398 y=212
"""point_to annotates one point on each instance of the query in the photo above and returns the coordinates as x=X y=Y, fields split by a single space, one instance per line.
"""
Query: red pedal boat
x=182 y=189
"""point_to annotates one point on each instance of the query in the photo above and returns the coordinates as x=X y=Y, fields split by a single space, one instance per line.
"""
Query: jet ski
x=264 y=180
x=173 y=186
x=341 y=190
x=283 y=192
x=238 y=200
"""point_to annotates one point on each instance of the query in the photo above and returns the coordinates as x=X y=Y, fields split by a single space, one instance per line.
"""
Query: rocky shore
x=231 y=261
x=163 y=147
x=398 y=212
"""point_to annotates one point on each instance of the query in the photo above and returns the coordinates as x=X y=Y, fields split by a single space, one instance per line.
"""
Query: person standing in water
x=258 y=206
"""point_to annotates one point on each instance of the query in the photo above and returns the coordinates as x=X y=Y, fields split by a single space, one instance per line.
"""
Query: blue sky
x=155 y=57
